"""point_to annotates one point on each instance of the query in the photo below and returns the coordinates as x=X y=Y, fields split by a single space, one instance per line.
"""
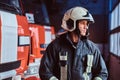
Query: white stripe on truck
x=8 y=37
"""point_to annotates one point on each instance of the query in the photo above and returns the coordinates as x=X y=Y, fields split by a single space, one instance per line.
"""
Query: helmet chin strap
x=84 y=37
x=87 y=33
x=77 y=32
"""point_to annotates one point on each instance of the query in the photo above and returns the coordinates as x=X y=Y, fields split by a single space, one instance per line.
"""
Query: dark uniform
x=77 y=60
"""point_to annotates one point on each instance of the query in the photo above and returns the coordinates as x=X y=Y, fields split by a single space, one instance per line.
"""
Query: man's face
x=83 y=26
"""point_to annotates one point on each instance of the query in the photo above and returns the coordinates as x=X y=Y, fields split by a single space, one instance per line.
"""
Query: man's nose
x=86 y=27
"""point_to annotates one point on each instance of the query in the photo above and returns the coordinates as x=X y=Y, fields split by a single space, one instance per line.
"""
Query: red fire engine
x=21 y=44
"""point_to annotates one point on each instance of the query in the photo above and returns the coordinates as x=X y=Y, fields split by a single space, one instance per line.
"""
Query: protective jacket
x=78 y=63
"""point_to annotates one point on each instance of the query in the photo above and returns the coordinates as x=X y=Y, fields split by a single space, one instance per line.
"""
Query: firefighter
x=72 y=56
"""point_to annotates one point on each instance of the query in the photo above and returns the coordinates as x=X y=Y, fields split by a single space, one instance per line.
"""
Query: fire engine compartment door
x=9 y=36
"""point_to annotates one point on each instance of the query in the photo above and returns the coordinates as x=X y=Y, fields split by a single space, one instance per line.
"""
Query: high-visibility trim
x=89 y=63
x=88 y=68
x=86 y=77
x=63 y=68
x=63 y=57
x=63 y=72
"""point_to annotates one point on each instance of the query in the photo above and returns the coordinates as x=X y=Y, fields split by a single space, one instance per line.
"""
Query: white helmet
x=74 y=14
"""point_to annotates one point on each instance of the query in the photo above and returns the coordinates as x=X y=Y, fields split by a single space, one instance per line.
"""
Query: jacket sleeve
x=47 y=63
x=99 y=69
